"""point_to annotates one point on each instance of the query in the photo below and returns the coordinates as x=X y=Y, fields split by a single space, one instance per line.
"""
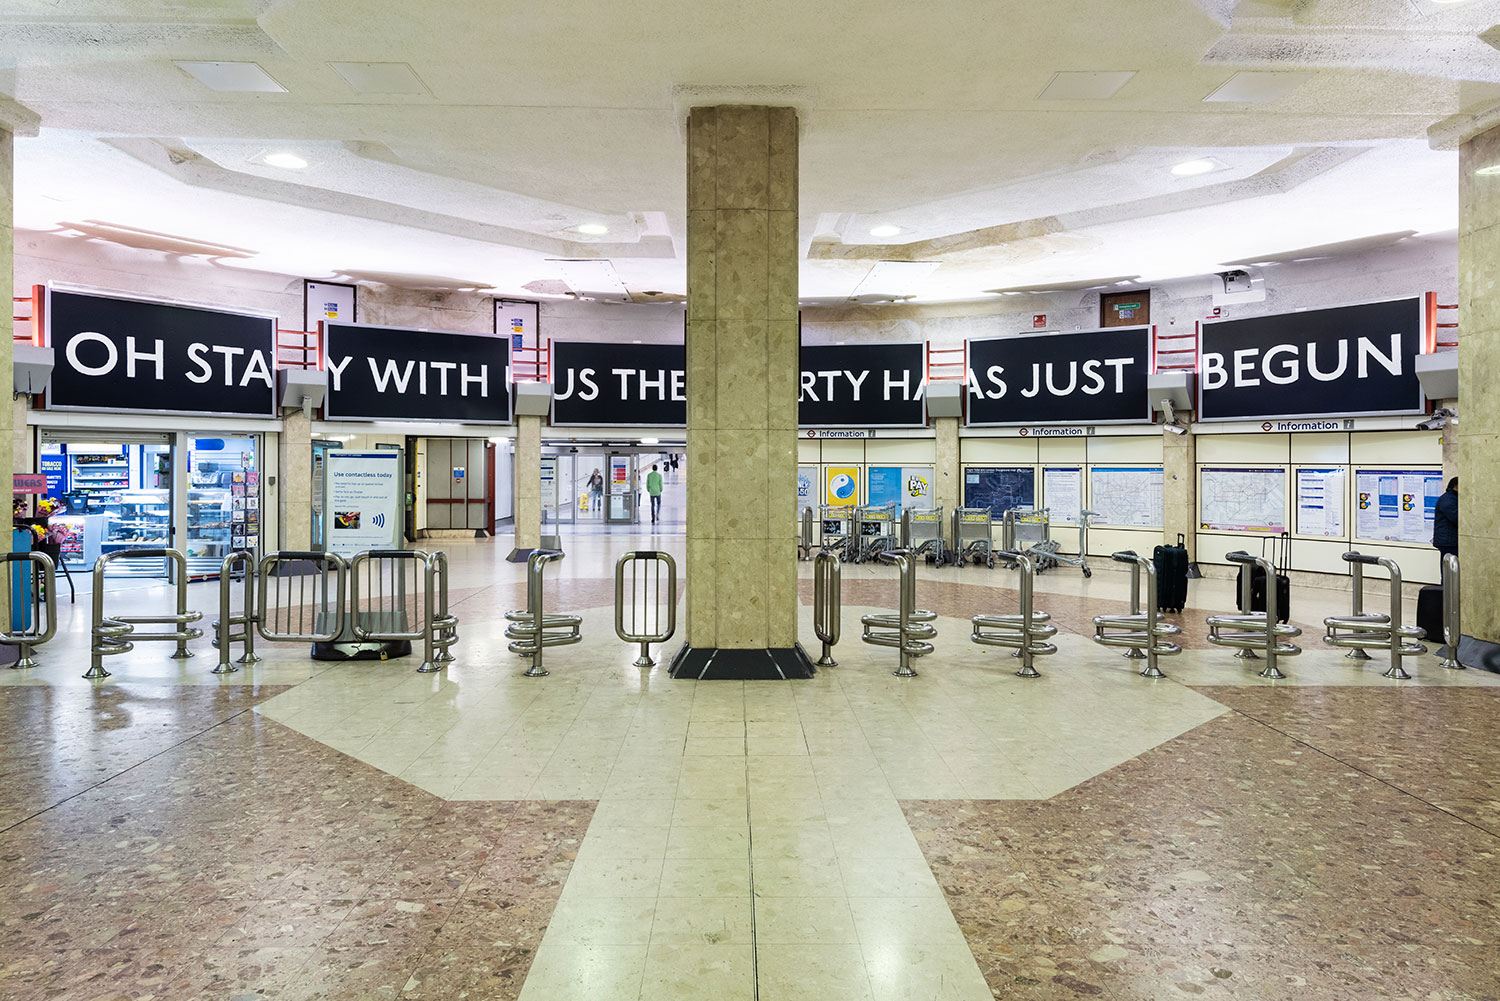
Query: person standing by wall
x=596 y=490
x=653 y=487
x=1445 y=520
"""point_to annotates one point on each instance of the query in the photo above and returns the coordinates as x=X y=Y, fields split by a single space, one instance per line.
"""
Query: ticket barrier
x=827 y=604
x=117 y=634
x=532 y=629
x=1142 y=632
x=922 y=534
x=875 y=529
x=1026 y=632
x=972 y=537
x=652 y=618
x=1257 y=630
x=1362 y=630
x=837 y=532
x=910 y=627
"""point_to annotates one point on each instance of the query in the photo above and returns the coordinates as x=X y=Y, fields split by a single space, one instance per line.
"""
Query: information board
x=1126 y=496
x=1062 y=493
x=1320 y=502
x=907 y=486
x=363 y=497
x=999 y=488
x=1396 y=505
x=1242 y=499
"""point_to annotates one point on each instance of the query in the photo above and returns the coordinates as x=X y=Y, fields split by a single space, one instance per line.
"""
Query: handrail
x=910 y=627
x=805 y=539
x=828 y=604
x=531 y=629
x=109 y=634
x=444 y=624
x=1026 y=632
x=1142 y=629
x=43 y=598
x=359 y=621
x=274 y=620
x=224 y=635
x=1452 y=627
x=1383 y=632
x=642 y=586
x=1257 y=630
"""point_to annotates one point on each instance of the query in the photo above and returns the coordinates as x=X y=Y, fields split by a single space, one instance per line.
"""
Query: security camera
x=1441 y=417
x=1174 y=428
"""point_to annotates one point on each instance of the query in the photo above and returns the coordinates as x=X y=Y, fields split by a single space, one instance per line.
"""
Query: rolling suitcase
x=1171 y=576
x=1430 y=612
x=1281 y=558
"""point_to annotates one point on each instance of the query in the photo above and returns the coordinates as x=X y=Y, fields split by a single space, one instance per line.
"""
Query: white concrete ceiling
x=518 y=123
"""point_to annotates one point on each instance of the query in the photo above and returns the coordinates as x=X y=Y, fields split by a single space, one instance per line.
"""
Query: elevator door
x=457 y=482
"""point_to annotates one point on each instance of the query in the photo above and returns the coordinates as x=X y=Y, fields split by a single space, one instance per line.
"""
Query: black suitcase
x=1171 y=576
x=1430 y=612
x=1281 y=547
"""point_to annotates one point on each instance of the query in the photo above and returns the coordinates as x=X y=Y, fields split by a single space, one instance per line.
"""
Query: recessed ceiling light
x=380 y=78
x=886 y=230
x=593 y=229
x=247 y=78
x=287 y=161
x=1489 y=171
x=1084 y=86
x=1192 y=168
x=1257 y=86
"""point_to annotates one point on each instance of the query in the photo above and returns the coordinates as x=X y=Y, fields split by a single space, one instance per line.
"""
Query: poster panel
x=363 y=498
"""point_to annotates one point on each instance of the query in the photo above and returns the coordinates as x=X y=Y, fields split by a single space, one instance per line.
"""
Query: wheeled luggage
x=1281 y=557
x=1430 y=612
x=1171 y=575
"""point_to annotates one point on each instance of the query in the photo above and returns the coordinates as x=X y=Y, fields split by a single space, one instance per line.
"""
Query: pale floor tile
x=704 y=920
x=624 y=841
x=726 y=812
x=602 y=921
x=798 y=877
x=596 y=972
x=613 y=877
x=812 y=972
x=714 y=747
x=865 y=877
x=793 y=920
x=926 y=971
x=647 y=812
x=689 y=971
x=710 y=877
x=791 y=839
x=707 y=842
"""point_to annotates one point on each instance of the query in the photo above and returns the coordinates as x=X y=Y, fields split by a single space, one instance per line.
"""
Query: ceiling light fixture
x=885 y=230
x=286 y=161
x=1192 y=168
x=593 y=229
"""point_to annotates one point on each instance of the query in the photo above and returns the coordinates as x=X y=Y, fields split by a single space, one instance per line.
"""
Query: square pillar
x=527 y=493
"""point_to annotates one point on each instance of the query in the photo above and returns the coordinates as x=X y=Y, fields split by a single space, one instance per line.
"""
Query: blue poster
x=885 y=486
x=51 y=463
x=999 y=488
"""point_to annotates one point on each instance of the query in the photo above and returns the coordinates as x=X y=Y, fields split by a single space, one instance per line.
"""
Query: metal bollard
x=1452 y=631
x=1141 y=630
x=224 y=636
x=43 y=599
x=1256 y=630
x=1027 y=632
x=531 y=630
x=645 y=616
x=444 y=626
x=1383 y=632
x=805 y=540
x=910 y=627
x=108 y=634
x=827 y=604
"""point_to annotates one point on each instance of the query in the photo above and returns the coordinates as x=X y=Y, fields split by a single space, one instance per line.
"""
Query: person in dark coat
x=1445 y=520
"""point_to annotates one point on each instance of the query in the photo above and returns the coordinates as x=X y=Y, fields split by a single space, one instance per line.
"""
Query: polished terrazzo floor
x=305 y=830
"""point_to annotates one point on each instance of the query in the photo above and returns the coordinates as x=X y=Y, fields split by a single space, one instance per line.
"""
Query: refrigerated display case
x=223 y=501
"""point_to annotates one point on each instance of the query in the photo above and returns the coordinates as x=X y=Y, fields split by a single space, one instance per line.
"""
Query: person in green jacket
x=653 y=487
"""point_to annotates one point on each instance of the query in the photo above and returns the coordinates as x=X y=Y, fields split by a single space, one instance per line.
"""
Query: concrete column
x=528 y=487
x=7 y=348
x=742 y=393
x=21 y=460
x=1179 y=461
x=1478 y=429
x=948 y=473
x=295 y=483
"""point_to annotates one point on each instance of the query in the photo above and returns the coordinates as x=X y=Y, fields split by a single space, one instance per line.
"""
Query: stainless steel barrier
x=118 y=634
x=1452 y=631
x=1361 y=630
x=805 y=536
x=224 y=634
x=908 y=629
x=379 y=613
x=531 y=629
x=1142 y=629
x=38 y=618
x=1256 y=630
x=922 y=534
x=828 y=604
x=285 y=612
x=646 y=604
x=973 y=536
x=1027 y=632
x=874 y=530
x=444 y=623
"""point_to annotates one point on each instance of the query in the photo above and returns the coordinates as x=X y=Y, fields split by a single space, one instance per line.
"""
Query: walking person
x=653 y=487
x=596 y=491
x=1445 y=520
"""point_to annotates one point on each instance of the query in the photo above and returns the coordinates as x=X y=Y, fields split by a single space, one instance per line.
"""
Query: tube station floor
x=313 y=830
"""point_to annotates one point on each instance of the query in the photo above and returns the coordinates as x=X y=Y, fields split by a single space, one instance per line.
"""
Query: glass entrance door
x=621 y=509
x=114 y=494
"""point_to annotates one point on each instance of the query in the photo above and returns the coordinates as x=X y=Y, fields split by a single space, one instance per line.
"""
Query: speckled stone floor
x=302 y=830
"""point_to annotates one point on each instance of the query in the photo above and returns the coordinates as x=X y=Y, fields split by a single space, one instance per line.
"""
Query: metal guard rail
x=910 y=627
x=828 y=608
x=274 y=619
x=1258 y=630
x=109 y=635
x=43 y=599
x=396 y=558
x=1025 y=632
x=1361 y=630
x=1142 y=632
x=1452 y=626
x=531 y=629
x=645 y=623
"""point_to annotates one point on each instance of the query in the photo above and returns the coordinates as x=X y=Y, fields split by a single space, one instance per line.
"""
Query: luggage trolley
x=924 y=534
x=837 y=531
x=875 y=528
x=972 y=537
x=1029 y=530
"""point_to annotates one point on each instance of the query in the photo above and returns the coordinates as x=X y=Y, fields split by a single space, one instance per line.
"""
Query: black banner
x=600 y=384
x=863 y=385
x=1097 y=377
x=392 y=373
x=129 y=354
x=1348 y=361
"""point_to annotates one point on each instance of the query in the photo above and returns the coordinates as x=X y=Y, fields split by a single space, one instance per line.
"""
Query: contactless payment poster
x=841 y=486
x=362 y=501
